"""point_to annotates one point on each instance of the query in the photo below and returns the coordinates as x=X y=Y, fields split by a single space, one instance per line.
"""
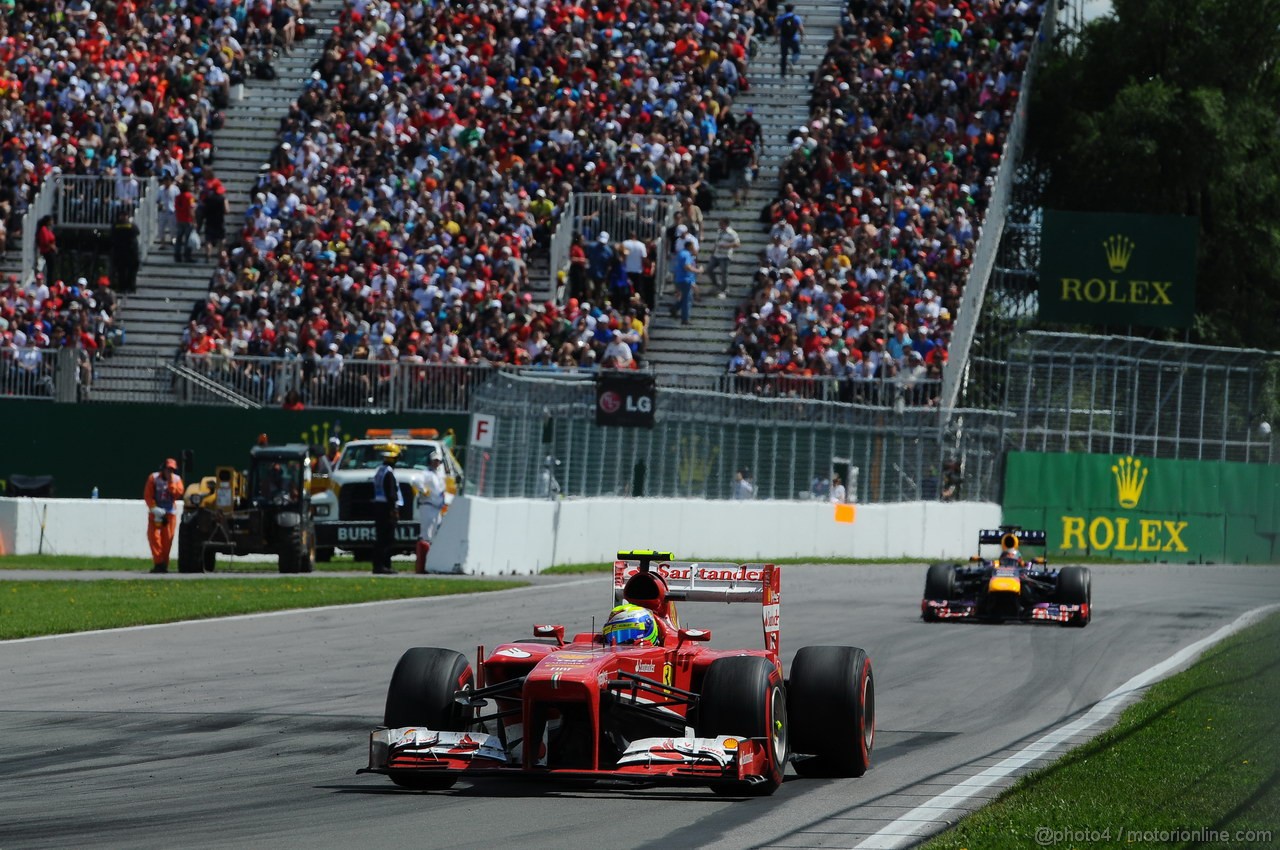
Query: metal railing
x=646 y=217
x=1092 y=394
x=79 y=202
x=984 y=259
x=346 y=384
x=39 y=207
x=28 y=373
x=546 y=442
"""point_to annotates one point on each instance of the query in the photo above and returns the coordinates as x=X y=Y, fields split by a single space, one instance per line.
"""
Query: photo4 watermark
x=1052 y=836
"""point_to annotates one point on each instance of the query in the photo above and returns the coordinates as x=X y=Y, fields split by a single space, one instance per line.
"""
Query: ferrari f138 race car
x=644 y=700
x=1009 y=587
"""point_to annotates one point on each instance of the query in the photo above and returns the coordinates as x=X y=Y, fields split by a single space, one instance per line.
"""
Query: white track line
x=922 y=821
x=261 y=614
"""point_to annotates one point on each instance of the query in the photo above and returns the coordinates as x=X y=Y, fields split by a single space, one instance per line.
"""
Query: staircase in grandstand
x=780 y=104
x=154 y=316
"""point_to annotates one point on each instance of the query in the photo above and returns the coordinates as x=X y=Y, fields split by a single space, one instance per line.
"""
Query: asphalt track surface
x=247 y=732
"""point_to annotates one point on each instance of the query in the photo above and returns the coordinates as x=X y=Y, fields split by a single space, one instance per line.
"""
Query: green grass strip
x=1195 y=763
x=226 y=564
x=31 y=608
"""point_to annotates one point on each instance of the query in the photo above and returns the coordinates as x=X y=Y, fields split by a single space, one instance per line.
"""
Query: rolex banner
x=1118 y=269
x=1137 y=508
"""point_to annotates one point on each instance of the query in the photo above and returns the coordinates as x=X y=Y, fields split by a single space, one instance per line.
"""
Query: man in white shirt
x=619 y=351
x=430 y=510
x=635 y=253
x=721 y=254
x=166 y=195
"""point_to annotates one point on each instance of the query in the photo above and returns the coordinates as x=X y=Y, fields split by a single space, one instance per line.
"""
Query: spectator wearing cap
x=790 y=27
x=600 y=256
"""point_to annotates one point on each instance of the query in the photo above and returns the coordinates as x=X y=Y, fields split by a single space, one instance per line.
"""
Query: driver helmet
x=630 y=625
x=1011 y=554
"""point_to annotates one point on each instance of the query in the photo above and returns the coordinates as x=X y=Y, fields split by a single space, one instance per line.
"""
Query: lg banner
x=625 y=399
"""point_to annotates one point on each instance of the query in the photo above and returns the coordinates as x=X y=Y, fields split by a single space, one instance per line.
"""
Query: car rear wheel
x=939 y=585
x=743 y=696
x=1075 y=587
x=421 y=694
x=831 y=698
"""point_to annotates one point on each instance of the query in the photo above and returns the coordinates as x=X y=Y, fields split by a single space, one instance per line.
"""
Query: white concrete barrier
x=116 y=527
x=492 y=536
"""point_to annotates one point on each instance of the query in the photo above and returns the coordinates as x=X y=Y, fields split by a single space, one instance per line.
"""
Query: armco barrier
x=491 y=536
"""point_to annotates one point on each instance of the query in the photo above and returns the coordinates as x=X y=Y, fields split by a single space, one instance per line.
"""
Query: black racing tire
x=421 y=694
x=1075 y=587
x=831 y=700
x=422 y=689
x=298 y=549
x=939 y=585
x=193 y=556
x=744 y=696
x=324 y=554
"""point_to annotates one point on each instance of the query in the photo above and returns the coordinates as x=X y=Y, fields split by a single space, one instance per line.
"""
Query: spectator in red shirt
x=184 y=209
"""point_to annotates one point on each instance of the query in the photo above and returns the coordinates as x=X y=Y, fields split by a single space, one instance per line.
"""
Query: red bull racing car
x=1010 y=587
x=644 y=700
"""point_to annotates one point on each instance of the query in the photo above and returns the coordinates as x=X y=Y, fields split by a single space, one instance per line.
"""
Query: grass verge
x=31 y=608
x=340 y=564
x=1195 y=763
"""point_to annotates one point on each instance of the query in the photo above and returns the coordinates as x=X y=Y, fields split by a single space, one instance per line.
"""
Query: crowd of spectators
x=425 y=164
x=119 y=90
x=38 y=320
x=883 y=196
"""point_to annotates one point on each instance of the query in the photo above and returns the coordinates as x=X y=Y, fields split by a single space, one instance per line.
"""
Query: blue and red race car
x=666 y=709
x=1008 y=587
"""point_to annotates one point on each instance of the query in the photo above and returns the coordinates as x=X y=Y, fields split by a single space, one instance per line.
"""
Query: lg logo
x=611 y=402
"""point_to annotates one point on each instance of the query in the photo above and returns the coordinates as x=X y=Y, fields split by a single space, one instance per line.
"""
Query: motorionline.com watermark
x=1049 y=836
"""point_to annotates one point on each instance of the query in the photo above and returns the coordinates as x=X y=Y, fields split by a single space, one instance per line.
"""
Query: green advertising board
x=113 y=447
x=1144 y=509
x=1118 y=269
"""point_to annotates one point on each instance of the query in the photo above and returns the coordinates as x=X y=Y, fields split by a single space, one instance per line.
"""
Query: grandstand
x=405 y=195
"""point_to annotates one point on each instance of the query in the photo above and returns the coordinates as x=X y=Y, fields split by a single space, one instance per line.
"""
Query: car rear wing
x=1021 y=536
x=703 y=581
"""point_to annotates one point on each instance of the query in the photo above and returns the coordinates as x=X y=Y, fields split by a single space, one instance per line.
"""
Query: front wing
x=962 y=609
x=688 y=761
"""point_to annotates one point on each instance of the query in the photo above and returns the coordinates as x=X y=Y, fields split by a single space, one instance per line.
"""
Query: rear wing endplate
x=701 y=581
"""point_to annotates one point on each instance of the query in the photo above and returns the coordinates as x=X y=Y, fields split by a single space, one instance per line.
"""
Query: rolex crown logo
x=1119 y=249
x=1130 y=479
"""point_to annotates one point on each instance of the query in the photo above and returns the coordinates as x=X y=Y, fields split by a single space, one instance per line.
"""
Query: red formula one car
x=645 y=700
